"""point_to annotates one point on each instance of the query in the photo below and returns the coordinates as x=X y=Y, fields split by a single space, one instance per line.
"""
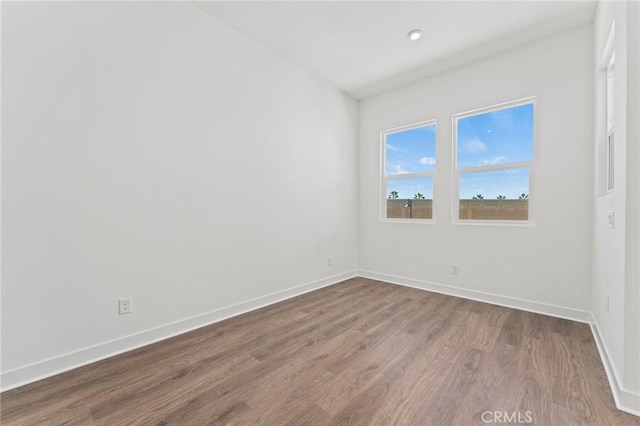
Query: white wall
x=632 y=242
x=616 y=251
x=632 y=285
x=150 y=151
x=544 y=267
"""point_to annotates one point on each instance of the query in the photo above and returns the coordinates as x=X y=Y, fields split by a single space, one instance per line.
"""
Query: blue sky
x=411 y=151
x=488 y=139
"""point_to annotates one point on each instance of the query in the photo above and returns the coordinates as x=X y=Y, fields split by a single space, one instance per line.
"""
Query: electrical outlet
x=124 y=306
x=330 y=261
x=607 y=301
x=455 y=270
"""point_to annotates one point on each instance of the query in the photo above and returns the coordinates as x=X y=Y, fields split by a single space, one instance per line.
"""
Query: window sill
x=505 y=223
x=416 y=221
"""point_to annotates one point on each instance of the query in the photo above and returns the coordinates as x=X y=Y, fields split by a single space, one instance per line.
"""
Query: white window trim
x=611 y=160
x=384 y=177
x=455 y=182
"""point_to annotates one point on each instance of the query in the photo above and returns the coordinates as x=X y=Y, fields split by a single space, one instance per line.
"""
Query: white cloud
x=428 y=161
x=474 y=145
x=391 y=147
x=498 y=159
x=399 y=170
x=504 y=118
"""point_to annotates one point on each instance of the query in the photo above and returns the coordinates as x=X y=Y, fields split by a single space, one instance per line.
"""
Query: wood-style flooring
x=360 y=352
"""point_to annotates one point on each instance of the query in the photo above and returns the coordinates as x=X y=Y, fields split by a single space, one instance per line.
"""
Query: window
x=493 y=157
x=610 y=125
x=605 y=117
x=409 y=164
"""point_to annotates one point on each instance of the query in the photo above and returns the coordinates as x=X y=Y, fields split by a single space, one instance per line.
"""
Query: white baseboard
x=494 y=299
x=40 y=370
x=625 y=400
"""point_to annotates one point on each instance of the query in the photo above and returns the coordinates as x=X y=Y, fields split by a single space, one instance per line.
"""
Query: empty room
x=320 y=212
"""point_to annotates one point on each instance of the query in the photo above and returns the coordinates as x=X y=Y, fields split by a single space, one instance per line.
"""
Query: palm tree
x=418 y=196
x=501 y=197
x=478 y=197
x=393 y=195
x=523 y=197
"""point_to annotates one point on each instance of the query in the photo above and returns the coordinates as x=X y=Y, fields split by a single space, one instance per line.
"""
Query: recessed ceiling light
x=414 y=35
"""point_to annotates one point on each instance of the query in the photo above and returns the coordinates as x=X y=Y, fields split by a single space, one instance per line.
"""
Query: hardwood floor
x=359 y=352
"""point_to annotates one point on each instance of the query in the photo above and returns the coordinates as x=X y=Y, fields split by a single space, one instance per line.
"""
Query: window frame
x=530 y=165
x=605 y=130
x=384 y=177
x=611 y=122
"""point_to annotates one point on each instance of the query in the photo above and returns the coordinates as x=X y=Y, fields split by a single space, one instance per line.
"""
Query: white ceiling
x=361 y=47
